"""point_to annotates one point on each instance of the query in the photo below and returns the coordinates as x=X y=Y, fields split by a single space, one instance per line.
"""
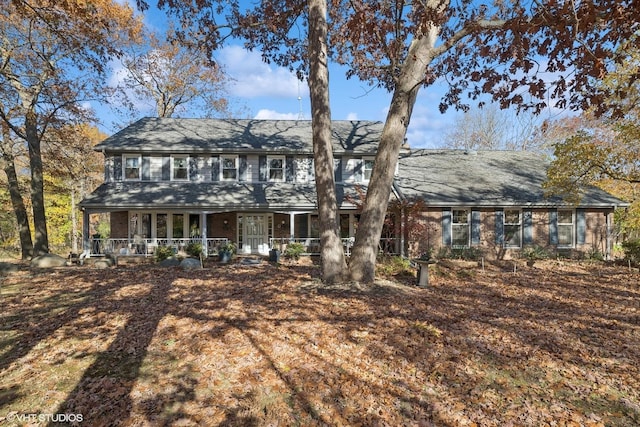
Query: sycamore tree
x=52 y=57
x=528 y=55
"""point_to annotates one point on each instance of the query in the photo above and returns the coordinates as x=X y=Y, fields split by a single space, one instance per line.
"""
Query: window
x=512 y=228
x=276 y=168
x=565 y=227
x=177 y=231
x=367 y=168
x=460 y=228
x=180 y=168
x=161 y=226
x=229 y=168
x=131 y=167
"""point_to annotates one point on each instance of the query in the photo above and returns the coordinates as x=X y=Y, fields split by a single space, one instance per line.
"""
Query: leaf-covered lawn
x=267 y=345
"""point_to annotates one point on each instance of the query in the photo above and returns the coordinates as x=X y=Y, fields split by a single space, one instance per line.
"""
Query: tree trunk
x=363 y=256
x=19 y=209
x=334 y=267
x=41 y=244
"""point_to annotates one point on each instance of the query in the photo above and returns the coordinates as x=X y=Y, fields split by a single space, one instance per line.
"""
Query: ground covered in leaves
x=557 y=344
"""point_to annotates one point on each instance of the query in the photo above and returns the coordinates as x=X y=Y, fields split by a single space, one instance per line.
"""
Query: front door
x=254 y=234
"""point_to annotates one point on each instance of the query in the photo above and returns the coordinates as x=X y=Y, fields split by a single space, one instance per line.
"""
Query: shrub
x=467 y=254
x=194 y=249
x=631 y=250
x=294 y=250
x=395 y=265
x=534 y=253
x=227 y=247
x=163 y=252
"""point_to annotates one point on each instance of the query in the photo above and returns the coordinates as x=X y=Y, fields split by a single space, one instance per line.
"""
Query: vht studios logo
x=41 y=418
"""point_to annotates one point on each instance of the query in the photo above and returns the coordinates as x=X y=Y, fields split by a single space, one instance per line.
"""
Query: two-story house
x=172 y=181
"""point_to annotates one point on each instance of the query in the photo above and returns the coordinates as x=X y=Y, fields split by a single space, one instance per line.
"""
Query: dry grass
x=267 y=345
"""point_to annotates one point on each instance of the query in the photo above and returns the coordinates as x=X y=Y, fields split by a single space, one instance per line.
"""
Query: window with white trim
x=512 y=228
x=276 y=167
x=131 y=167
x=180 y=168
x=229 y=168
x=460 y=226
x=367 y=168
x=566 y=225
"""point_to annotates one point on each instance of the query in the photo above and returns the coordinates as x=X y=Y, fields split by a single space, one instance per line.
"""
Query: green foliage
x=631 y=250
x=594 y=254
x=163 y=252
x=294 y=250
x=394 y=266
x=194 y=249
x=534 y=253
x=227 y=247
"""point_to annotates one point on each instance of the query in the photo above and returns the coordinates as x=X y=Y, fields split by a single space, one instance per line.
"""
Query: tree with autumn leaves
x=525 y=55
x=52 y=57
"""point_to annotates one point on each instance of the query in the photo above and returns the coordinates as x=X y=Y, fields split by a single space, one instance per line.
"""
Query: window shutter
x=215 y=168
x=242 y=168
x=581 y=227
x=475 y=227
x=108 y=169
x=193 y=169
x=146 y=168
x=553 y=226
x=262 y=166
x=337 y=169
x=446 y=227
x=358 y=173
x=527 y=222
x=289 y=169
x=117 y=168
x=166 y=168
x=499 y=226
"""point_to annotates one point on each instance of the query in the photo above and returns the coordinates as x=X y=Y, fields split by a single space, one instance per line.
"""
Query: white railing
x=147 y=247
x=387 y=246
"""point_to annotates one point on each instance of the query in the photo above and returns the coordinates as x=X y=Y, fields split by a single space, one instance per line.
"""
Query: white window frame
x=517 y=225
x=283 y=169
x=174 y=169
x=366 y=160
x=461 y=225
x=570 y=225
x=138 y=159
x=235 y=167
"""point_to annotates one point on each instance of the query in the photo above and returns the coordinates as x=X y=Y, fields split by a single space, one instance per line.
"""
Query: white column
x=86 y=243
x=292 y=222
x=203 y=231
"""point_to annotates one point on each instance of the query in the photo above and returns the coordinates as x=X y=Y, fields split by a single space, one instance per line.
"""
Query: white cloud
x=352 y=116
x=265 y=114
x=253 y=78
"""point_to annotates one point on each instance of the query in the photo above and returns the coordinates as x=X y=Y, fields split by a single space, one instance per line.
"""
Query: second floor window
x=131 y=167
x=180 y=168
x=367 y=168
x=229 y=168
x=276 y=168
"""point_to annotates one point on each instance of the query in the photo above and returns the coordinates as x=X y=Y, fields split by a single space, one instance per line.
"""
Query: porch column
x=203 y=231
x=86 y=243
x=292 y=228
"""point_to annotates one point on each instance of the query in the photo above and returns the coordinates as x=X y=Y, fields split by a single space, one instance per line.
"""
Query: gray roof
x=211 y=196
x=485 y=178
x=176 y=135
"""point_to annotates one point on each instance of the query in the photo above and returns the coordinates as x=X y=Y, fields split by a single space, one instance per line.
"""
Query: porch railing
x=147 y=247
x=388 y=246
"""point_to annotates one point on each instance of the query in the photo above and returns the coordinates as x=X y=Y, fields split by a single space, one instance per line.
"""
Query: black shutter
x=117 y=168
x=215 y=168
x=242 y=168
x=499 y=226
x=446 y=227
x=475 y=227
x=581 y=227
x=289 y=169
x=193 y=169
x=527 y=219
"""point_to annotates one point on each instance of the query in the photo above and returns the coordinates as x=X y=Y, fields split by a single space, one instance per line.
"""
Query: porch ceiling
x=210 y=196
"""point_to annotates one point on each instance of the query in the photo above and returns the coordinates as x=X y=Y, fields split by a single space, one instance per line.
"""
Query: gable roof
x=451 y=178
x=176 y=135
